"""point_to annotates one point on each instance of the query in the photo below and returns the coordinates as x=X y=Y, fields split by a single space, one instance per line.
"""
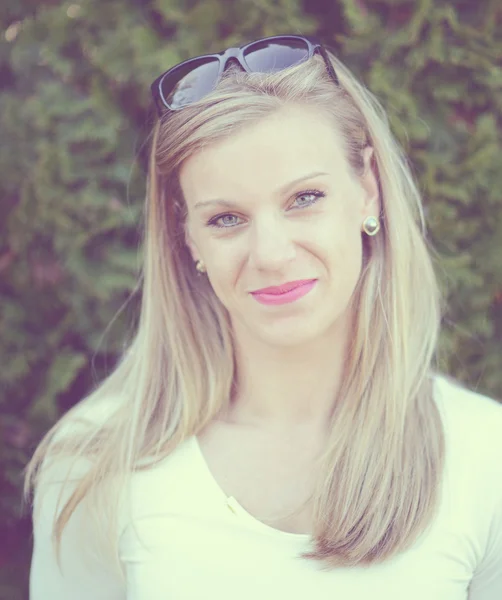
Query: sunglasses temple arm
x=329 y=66
x=160 y=107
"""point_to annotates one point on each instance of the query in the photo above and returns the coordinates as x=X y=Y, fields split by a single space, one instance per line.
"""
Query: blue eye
x=313 y=195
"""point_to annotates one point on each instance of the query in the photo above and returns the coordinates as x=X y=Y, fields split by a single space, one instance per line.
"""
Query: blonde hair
x=382 y=466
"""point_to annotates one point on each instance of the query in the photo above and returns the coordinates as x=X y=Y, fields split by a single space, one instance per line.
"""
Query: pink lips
x=288 y=296
x=284 y=287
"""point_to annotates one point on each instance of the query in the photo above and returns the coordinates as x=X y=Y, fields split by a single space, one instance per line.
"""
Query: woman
x=290 y=442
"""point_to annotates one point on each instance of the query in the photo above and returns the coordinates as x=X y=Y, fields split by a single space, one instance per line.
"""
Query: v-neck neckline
x=234 y=505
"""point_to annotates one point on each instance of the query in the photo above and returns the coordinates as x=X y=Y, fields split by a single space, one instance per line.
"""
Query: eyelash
x=316 y=193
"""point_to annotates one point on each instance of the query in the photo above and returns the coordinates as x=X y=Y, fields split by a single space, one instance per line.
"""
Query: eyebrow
x=282 y=190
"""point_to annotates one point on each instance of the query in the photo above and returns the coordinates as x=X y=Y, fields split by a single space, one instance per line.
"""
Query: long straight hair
x=379 y=484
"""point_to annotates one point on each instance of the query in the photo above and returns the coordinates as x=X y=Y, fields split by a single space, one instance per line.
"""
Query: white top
x=196 y=543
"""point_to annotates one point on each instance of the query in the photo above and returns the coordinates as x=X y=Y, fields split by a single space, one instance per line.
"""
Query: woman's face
x=278 y=202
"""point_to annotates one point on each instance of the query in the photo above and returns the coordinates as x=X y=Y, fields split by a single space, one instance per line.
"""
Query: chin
x=290 y=332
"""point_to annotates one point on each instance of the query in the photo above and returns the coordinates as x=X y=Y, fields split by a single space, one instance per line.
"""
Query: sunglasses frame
x=236 y=54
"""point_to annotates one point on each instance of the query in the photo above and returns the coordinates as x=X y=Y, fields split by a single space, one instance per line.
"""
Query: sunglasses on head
x=192 y=79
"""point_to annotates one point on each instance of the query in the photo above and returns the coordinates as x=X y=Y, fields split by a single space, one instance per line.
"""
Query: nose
x=271 y=247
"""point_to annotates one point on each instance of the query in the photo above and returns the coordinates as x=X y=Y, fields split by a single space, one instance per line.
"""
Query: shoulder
x=467 y=411
x=85 y=565
x=68 y=472
x=472 y=425
x=66 y=457
x=91 y=412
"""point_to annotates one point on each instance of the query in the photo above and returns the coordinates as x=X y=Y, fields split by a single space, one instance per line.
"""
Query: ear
x=369 y=182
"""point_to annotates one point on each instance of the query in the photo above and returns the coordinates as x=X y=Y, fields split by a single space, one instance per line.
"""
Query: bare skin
x=296 y=212
x=269 y=474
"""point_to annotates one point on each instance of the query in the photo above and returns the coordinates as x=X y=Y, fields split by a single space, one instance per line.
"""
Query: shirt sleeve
x=83 y=575
x=486 y=583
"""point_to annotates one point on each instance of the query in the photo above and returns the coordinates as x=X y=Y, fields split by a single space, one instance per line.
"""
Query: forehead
x=280 y=147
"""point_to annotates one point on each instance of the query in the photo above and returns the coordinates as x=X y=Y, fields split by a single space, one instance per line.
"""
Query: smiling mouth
x=292 y=295
x=283 y=288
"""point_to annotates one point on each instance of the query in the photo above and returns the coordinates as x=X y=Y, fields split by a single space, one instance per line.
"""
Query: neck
x=286 y=388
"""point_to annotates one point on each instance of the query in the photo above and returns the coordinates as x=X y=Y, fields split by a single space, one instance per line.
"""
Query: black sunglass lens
x=190 y=82
x=270 y=56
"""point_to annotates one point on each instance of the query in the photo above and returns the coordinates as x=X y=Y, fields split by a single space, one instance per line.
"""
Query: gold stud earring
x=371 y=226
x=199 y=265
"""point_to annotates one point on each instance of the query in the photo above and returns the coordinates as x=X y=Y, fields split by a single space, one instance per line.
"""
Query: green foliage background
x=74 y=119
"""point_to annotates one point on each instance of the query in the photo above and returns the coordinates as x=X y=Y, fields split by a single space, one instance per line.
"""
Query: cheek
x=224 y=269
x=343 y=252
x=347 y=258
x=342 y=238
